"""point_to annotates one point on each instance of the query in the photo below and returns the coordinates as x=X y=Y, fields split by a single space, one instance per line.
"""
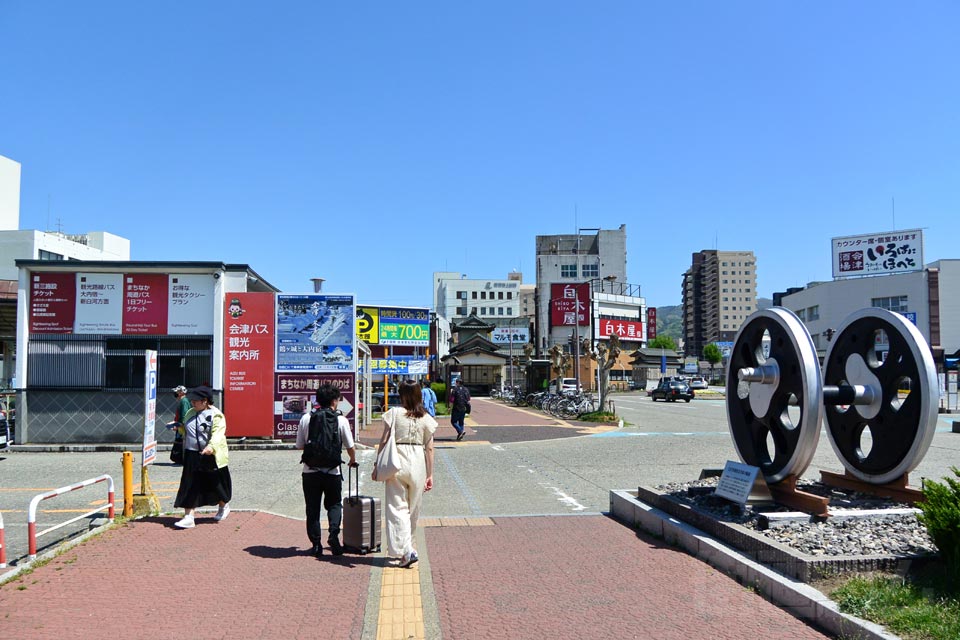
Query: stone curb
x=796 y=597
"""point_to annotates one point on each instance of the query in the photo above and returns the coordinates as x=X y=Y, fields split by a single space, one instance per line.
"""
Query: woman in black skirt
x=205 y=479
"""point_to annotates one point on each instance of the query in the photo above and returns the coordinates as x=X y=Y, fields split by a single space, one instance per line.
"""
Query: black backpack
x=322 y=450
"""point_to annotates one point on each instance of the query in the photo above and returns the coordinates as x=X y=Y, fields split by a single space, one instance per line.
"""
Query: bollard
x=127 y=484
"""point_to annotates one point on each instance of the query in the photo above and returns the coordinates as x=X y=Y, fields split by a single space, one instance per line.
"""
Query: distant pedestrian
x=183 y=406
x=205 y=479
x=459 y=407
x=322 y=484
x=413 y=433
x=429 y=398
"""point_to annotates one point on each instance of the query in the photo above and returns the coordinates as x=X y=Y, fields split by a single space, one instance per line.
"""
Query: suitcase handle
x=351 y=479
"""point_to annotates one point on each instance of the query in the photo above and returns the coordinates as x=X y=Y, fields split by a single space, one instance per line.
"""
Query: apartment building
x=719 y=293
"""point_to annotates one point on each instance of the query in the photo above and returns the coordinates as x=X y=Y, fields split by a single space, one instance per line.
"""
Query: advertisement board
x=248 y=367
x=651 y=323
x=121 y=303
x=397 y=365
x=295 y=394
x=877 y=253
x=569 y=304
x=315 y=332
x=394 y=326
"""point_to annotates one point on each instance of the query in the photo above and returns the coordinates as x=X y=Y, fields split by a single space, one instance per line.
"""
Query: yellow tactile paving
x=401 y=611
x=455 y=522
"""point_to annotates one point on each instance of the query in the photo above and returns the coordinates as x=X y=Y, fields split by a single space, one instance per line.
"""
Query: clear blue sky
x=374 y=143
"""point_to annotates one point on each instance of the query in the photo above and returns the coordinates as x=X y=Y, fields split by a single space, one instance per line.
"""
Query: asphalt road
x=660 y=443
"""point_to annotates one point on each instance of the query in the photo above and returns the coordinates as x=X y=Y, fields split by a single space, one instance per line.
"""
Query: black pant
x=319 y=487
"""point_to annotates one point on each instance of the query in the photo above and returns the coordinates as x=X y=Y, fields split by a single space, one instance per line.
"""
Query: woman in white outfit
x=404 y=492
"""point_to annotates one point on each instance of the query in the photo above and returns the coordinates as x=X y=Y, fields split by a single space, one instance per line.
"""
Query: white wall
x=949 y=304
x=9 y=196
x=26 y=245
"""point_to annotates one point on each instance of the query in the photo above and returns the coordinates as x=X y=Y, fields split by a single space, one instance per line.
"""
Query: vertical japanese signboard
x=53 y=302
x=145 y=304
x=878 y=253
x=296 y=392
x=99 y=303
x=651 y=323
x=150 y=408
x=248 y=363
x=315 y=332
x=569 y=305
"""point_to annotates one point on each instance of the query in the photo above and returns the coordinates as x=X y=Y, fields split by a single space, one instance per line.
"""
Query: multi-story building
x=719 y=293
x=582 y=292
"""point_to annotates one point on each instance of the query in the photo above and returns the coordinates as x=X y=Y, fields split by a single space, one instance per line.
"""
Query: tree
x=662 y=342
x=605 y=356
x=712 y=354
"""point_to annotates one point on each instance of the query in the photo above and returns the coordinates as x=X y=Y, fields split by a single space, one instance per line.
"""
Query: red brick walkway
x=249 y=577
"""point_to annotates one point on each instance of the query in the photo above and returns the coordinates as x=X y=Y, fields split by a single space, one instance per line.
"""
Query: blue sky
x=374 y=143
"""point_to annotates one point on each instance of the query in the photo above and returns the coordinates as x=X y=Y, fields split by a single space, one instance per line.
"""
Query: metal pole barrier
x=32 y=534
x=127 y=484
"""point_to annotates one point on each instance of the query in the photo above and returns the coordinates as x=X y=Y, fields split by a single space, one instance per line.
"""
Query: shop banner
x=506 y=335
x=315 y=332
x=651 y=323
x=296 y=393
x=53 y=302
x=248 y=363
x=99 y=303
x=623 y=329
x=191 y=304
x=145 y=303
x=569 y=305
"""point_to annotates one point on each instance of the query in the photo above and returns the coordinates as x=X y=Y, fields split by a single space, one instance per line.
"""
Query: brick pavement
x=249 y=577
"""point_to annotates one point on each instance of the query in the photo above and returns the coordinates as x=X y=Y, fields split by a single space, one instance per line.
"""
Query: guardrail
x=32 y=512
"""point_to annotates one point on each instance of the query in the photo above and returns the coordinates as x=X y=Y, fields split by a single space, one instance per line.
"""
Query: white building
x=929 y=298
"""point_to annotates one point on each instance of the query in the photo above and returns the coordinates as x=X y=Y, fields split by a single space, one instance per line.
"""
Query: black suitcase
x=361 y=518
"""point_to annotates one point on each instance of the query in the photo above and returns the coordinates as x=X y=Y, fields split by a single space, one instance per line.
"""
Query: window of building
x=813 y=313
x=500 y=311
x=802 y=314
x=461 y=295
x=474 y=296
x=461 y=311
x=897 y=304
x=509 y=295
x=49 y=255
x=568 y=271
x=473 y=310
x=499 y=295
x=591 y=270
x=509 y=312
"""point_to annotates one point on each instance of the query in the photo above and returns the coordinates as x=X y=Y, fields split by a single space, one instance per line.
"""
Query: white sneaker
x=185 y=523
x=222 y=513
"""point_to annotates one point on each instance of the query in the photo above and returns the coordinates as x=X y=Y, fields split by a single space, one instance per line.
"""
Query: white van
x=569 y=385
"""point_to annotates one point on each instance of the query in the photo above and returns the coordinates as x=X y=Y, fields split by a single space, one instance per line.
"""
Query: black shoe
x=317 y=550
x=335 y=547
x=460 y=435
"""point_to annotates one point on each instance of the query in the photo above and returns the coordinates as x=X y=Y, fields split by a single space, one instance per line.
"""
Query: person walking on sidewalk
x=205 y=479
x=322 y=485
x=429 y=397
x=459 y=407
x=413 y=433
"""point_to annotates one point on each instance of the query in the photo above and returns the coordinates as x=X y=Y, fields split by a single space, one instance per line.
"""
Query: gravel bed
x=898 y=535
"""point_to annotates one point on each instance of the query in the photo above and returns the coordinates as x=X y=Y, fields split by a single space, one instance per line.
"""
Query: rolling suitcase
x=361 y=518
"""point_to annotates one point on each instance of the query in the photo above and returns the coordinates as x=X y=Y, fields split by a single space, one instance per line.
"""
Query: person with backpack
x=322 y=434
x=459 y=407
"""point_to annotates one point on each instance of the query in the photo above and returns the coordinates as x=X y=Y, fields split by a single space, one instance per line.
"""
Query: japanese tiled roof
x=477 y=344
x=473 y=323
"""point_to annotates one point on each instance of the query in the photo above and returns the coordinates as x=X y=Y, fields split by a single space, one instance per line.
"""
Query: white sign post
x=736 y=482
x=150 y=409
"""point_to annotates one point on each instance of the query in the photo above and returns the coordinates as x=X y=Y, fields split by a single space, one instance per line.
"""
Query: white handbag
x=388 y=458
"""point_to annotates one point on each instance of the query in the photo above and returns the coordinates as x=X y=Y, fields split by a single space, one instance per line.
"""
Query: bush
x=941 y=515
x=440 y=389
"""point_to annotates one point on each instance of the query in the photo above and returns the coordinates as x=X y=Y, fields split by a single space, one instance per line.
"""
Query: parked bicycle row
x=569 y=404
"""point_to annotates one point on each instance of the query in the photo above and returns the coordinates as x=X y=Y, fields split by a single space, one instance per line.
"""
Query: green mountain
x=670 y=319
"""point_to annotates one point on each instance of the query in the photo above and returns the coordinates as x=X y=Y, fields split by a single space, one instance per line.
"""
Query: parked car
x=672 y=390
x=698 y=383
x=569 y=385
